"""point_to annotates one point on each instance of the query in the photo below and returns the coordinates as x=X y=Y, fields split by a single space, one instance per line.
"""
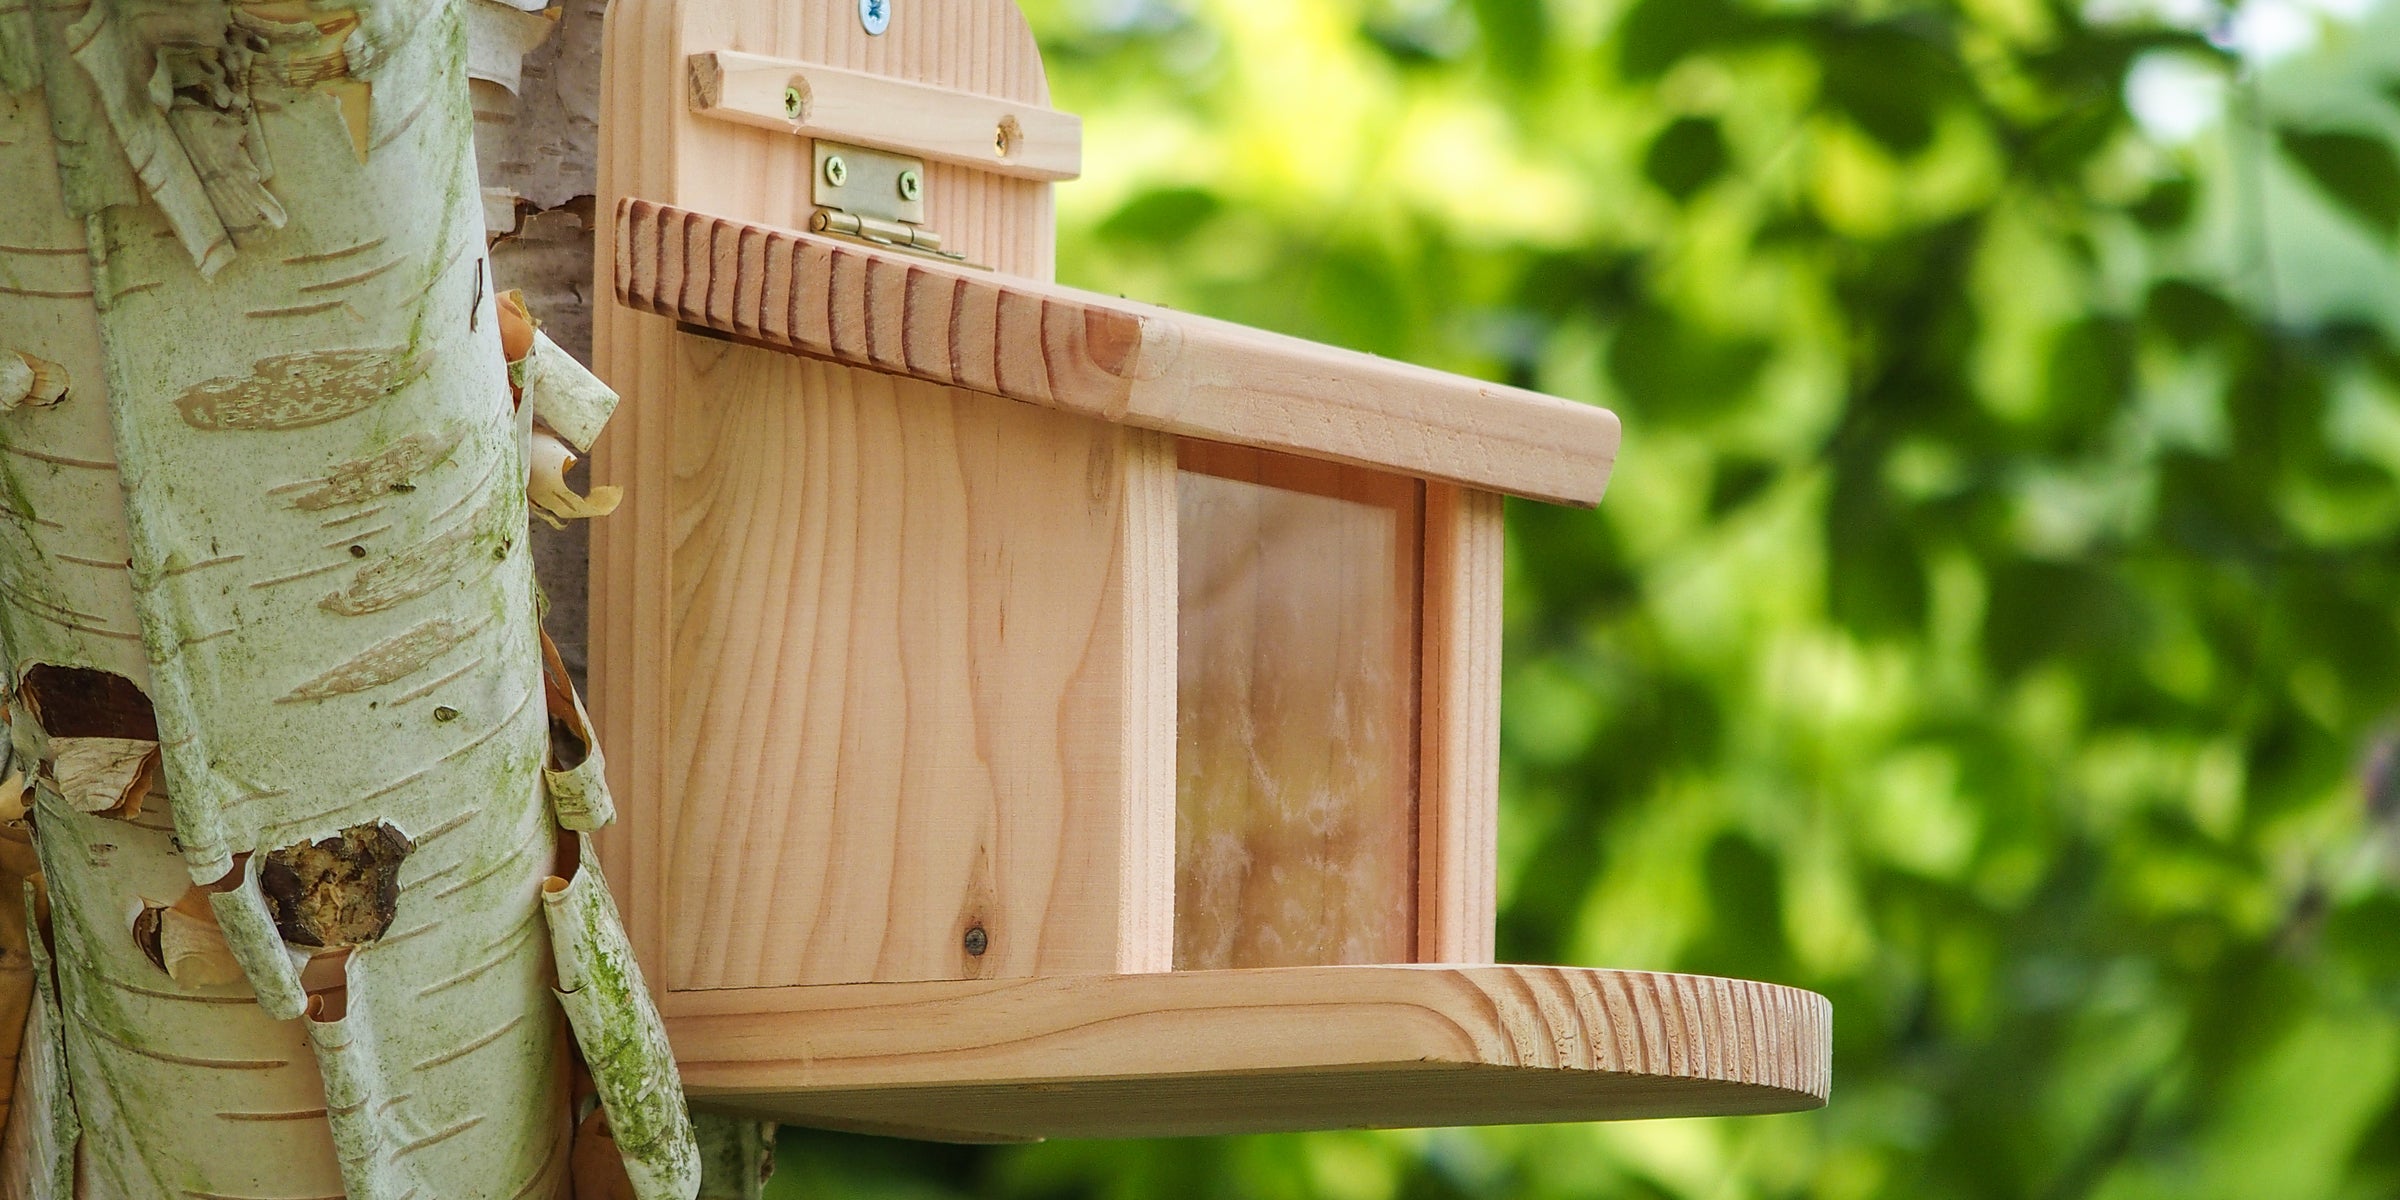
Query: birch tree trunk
x=266 y=599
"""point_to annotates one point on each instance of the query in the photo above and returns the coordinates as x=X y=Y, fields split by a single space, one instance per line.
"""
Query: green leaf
x=1737 y=482
x=2166 y=207
x=2088 y=378
x=1686 y=157
x=2041 y=611
x=1889 y=81
x=1515 y=33
x=1668 y=366
x=1654 y=35
x=2190 y=313
x=1162 y=216
x=1875 y=575
x=2358 y=171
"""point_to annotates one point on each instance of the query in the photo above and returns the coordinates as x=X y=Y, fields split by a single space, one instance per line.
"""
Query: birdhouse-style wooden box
x=1035 y=713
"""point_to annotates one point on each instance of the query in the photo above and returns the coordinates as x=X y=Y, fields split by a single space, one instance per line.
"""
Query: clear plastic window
x=1297 y=696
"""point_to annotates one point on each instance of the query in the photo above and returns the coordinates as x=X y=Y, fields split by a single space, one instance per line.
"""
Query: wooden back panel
x=877 y=662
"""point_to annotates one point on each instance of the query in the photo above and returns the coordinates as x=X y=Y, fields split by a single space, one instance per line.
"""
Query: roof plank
x=1110 y=359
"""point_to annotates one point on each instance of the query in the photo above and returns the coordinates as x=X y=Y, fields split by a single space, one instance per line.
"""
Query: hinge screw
x=836 y=171
x=977 y=941
x=911 y=186
x=791 y=104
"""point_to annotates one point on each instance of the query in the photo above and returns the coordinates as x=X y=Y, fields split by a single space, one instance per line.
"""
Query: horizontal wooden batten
x=1253 y=1051
x=984 y=132
x=1105 y=358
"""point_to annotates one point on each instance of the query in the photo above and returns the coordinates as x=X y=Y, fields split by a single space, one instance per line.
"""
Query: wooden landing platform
x=1253 y=1051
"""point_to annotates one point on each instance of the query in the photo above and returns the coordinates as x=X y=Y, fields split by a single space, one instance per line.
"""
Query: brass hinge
x=874 y=196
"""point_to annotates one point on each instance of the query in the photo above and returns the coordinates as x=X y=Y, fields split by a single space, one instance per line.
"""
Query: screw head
x=977 y=941
x=792 y=104
x=911 y=186
x=876 y=15
x=836 y=171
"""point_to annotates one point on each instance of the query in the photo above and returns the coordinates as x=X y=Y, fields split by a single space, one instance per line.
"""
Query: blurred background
x=1994 y=623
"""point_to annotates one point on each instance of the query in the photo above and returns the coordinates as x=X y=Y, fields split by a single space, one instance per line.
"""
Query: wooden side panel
x=1209 y=1052
x=1296 y=814
x=846 y=720
x=899 y=695
x=1459 y=756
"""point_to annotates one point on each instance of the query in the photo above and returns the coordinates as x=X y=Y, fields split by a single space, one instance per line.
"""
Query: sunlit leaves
x=1996 y=595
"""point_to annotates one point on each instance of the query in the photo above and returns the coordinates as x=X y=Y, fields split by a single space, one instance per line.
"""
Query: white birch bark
x=250 y=236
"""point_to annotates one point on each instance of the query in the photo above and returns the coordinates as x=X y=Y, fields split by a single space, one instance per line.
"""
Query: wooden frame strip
x=1104 y=358
x=1458 y=746
x=984 y=132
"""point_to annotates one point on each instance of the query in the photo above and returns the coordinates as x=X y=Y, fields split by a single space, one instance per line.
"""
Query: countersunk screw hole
x=358 y=551
x=445 y=714
x=977 y=941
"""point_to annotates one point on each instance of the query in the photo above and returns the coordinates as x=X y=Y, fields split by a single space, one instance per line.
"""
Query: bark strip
x=624 y=1042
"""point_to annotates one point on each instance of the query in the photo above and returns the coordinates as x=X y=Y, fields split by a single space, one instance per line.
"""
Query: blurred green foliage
x=1992 y=624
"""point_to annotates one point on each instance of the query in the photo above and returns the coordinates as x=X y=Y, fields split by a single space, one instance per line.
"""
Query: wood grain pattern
x=1296 y=723
x=1028 y=141
x=1255 y=1051
x=1146 y=875
x=1458 y=755
x=1102 y=357
x=848 y=721
x=900 y=697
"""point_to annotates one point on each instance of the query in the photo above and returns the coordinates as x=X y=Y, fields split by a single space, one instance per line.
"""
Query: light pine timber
x=1029 y=141
x=855 y=722
x=1458 y=748
x=900 y=666
x=1101 y=357
x=1252 y=1051
x=1038 y=1046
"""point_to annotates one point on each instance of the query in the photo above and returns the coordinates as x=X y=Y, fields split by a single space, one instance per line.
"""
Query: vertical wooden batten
x=1458 y=752
x=1146 y=889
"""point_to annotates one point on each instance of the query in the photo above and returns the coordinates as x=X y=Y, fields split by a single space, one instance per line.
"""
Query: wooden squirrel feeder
x=1039 y=714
